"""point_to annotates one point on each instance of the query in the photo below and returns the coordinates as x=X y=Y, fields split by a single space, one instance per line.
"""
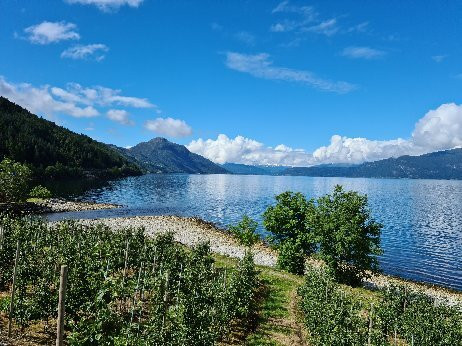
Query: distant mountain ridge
x=239 y=168
x=54 y=152
x=162 y=156
x=445 y=164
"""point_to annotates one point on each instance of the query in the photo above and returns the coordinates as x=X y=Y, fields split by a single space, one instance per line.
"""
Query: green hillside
x=54 y=152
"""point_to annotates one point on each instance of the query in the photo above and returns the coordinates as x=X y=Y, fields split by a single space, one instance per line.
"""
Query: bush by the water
x=123 y=286
x=40 y=191
x=14 y=181
x=334 y=317
x=286 y=221
x=245 y=231
x=338 y=228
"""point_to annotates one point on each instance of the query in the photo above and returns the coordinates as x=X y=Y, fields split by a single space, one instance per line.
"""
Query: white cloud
x=107 y=5
x=99 y=95
x=169 y=127
x=74 y=100
x=362 y=53
x=50 y=32
x=261 y=66
x=327 y=27
x=305 y=19
x=305 y=15
x=439 y=129
x=40 y=100
x=120 y=116
x=356 y=150
x=90 y=51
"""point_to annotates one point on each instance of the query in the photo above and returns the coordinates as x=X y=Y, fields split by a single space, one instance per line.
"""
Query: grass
x=278 y=321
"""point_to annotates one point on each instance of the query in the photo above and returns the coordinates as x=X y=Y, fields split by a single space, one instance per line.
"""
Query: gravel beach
x=192 y=231
x=55 y=205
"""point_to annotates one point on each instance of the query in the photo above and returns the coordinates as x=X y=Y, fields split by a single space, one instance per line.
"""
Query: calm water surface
x=422 y=235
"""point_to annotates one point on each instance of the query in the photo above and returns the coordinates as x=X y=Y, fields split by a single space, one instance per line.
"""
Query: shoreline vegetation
x=190 y=231
x=182 y=280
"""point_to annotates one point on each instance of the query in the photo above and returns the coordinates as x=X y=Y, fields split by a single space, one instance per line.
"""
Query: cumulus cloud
x=362 y=53
x=90 y=51
x=439 y=129
x=73 y=100
x=260 y=66
x=51 y=32
x=169 y=127
x=107 y=5
x=119 y=115
x=40 y=100
x=248 y=151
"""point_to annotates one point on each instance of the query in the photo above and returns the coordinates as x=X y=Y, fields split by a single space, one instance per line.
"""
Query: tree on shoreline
x=338 y=228
x=14 y=181
x=289 y=231
x=347 y=236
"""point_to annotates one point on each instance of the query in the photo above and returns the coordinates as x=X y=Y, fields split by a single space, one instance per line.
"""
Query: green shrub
x=14 y=181
x=347 y=236
x=40 y=192
x=245 y=231
x=291 y=257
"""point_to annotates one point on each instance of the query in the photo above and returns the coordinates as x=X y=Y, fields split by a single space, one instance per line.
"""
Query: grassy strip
x=278 y=321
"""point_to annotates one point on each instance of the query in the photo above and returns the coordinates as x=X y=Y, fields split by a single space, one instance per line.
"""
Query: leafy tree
x=245 y=231
x=347 y=236
x=14 y=181
x=291 y=257
x=40 y=192
x=286 y=222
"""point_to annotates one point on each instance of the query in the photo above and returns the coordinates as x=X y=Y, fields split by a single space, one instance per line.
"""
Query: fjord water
x=422 y=234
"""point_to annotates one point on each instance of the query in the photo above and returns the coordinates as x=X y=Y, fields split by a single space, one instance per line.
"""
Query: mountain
x=54 y=152
x=239 y=168
x=161 y=156
x=445 y=164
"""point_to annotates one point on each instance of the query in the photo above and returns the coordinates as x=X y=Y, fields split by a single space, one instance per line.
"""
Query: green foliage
x=53 y=151
x=289 y=231
x=338 y=226
x=334 y=317
x=331 y=317
x=243 y=287
x=14 y=181
x=286 y=219
x=291 y=257
x=40 y=192
x=245 y=231
x=418 y=318
x=348 y=237
x=123 y=286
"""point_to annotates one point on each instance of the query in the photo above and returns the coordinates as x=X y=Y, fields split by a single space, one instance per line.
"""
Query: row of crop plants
x=123 y=287
x=396 y=316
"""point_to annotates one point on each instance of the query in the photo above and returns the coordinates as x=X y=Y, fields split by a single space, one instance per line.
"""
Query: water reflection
x=422 y=219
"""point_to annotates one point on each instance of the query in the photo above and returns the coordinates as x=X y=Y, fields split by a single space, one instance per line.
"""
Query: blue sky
x=266 y=82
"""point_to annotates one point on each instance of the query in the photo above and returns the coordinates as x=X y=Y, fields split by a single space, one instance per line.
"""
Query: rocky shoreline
x=192 y=231
x=52 y=205
x=56 y=205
